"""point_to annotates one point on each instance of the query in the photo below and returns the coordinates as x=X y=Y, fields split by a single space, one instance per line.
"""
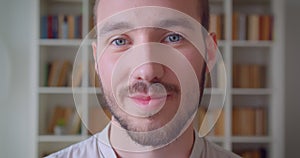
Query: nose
x=150 y=72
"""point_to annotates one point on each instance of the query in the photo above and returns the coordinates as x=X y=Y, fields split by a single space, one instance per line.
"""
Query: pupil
x=174 y=38
x=120 y=42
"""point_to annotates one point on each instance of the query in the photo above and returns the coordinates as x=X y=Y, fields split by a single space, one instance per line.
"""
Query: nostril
x=150 y=72
x=155 y=80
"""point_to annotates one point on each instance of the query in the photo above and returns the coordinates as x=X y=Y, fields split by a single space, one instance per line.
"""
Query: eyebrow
x=179 y=22
x=110 y=27
x=169 y=23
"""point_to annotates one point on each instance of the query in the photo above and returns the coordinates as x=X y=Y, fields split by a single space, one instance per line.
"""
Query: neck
x=181 y=147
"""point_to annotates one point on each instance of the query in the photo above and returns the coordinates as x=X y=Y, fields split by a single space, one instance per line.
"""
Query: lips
x=147 y=99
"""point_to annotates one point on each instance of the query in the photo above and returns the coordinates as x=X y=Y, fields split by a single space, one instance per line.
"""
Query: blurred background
x=29 y=98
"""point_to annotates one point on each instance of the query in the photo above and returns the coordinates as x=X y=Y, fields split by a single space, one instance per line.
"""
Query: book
x=77 y=75
x=208 y=81
x=242 y=25
x=219 y=129
x=252 y=153
x=261 y=122
x=63 y=75
x=244 y=76
x=78 y=26
x=55 y=26
x=203 y=128
x=235 y=26
x=61 y=21
x=44 y=27
x=266 y=27
x=216 y=25
x=93 y=76
x=253 y=27
x=243 y=121
x=49 y=27
x=54 y=73
x=58 y=73
x=71 y=26
x=257 y=76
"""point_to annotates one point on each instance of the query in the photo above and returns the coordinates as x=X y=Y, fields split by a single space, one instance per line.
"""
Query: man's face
x=138 y=90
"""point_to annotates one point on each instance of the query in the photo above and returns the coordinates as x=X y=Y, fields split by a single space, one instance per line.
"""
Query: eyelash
x=119 y=38
x=165 y=40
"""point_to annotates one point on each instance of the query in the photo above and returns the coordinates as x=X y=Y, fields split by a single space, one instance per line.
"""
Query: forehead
x=107 y=8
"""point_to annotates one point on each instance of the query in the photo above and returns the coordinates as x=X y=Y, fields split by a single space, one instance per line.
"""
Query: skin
x=150 y=72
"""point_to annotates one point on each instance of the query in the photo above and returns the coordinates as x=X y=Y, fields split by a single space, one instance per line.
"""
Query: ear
x=212 y=47
x=94 y=45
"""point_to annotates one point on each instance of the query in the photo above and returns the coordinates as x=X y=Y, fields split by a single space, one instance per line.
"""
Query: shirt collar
x=107 y=151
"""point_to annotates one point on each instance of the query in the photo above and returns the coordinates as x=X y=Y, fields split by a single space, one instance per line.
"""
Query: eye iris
x=120 y=42
x=174 y=38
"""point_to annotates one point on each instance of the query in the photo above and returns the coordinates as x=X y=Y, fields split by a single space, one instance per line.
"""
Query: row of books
x=216 y=78
x=61 y=26
x=243 y=76
x=246 y=121
x=249 y=76
x=253 y=27
x=67 y=118
x=249 y=121
x=219 y=127
x=59 y=74
x=252 y=153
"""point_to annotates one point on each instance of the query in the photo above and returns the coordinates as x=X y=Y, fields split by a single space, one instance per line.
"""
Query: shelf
x=216 y=91
x=252 y=43
x=66 y=138
x=216 y=1
x=215 y=139
x=262 y=53
x=251 y=2
x=58 y=90
x=60 y=42
x=66 y=1
x=251 y=91
x=67 y=90
x=251 y=139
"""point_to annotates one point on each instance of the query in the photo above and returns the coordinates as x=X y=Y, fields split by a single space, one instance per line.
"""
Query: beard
x=152 y=135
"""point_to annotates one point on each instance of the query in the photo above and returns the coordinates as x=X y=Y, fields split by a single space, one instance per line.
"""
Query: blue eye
x=120 y=42
x=173 y=38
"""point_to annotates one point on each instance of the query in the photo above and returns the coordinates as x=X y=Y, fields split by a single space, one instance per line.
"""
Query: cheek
x=196 y=60
x=105 y=67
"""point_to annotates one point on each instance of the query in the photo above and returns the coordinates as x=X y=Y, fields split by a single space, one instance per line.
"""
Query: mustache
x=144 y=87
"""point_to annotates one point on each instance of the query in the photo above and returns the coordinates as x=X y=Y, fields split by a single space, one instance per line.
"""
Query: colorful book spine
x=252 y=27
x=61 y=27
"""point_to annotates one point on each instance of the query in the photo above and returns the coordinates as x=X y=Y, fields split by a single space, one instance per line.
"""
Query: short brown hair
x=203 y=6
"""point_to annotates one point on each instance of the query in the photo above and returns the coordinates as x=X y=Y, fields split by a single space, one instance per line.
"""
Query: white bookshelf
x=269 y=53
